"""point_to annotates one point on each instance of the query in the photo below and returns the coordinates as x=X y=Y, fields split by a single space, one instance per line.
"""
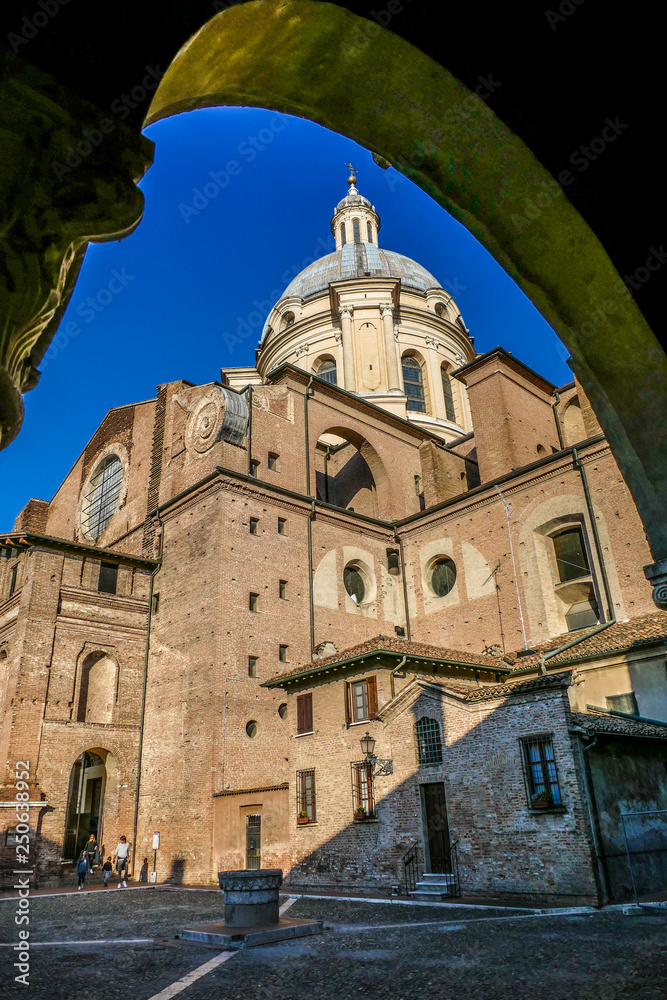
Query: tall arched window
x=429 y=742
x=342 y=234
x=450 y=412
x=369 y=229
x=327 y=371
x=356 y=229
x=103 y=491
x=413 y=384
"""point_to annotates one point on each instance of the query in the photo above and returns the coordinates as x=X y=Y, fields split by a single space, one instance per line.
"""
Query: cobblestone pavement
x=527 y=957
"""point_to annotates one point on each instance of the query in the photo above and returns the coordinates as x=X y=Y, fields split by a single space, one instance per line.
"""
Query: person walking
x=121 y=858
x=107 y=868
x=91 y=851
x=82 y=869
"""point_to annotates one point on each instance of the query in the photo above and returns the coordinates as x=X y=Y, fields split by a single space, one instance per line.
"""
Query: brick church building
x=375 y=530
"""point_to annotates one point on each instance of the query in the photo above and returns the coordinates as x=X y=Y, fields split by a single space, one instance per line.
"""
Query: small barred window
x=429 y=742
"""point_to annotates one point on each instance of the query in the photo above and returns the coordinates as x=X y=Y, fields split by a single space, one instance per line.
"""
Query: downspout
x=311 y=517
x=559 y=429
x=604 y=890
x=596 y=537
x=144 y=688
x=395 y=671
x=405 y=586
x=250 y=430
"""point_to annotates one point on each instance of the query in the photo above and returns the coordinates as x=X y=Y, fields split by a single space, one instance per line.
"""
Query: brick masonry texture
x=209 y=727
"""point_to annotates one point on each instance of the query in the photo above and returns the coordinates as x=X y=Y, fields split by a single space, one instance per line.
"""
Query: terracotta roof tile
x=599 y=722
x=492 y=691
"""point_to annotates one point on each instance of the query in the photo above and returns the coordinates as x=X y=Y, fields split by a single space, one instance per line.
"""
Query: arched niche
x=98 y=677
x=573 y=423
x=348 y=472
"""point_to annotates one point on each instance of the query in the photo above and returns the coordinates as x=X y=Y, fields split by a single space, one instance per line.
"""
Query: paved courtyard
x=386 y=951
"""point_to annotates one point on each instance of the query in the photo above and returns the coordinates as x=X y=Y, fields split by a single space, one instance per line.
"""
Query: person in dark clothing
x=143 y=871
x=107 y=868
x=82 y=869
x=91 y=850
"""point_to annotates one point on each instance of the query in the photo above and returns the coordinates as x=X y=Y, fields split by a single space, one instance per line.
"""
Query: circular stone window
x=252 y=729
x=354 y=584
x=443 y=576
x=282 y=710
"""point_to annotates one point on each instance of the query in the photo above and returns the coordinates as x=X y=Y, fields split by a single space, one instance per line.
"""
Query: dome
x=359 y=260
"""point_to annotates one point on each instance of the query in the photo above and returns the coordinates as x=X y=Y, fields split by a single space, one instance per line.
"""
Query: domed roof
x=359 y=260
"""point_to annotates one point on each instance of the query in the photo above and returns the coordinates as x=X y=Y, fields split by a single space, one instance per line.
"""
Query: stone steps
x=434 y=887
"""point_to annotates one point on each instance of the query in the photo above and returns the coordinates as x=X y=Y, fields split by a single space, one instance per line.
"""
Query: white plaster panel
x=478 y=578
x=325 y=583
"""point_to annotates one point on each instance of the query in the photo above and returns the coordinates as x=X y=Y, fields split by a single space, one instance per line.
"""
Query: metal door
x=253 y=842
x=436 y=827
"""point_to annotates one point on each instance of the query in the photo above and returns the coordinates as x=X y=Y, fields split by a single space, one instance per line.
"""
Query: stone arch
x=97 y=687
x=92 y=798
x=350 y=473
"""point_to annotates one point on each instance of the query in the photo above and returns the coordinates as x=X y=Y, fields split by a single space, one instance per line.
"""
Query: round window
x=282 y=710
x=252 y=729
x=354 y=584
x=443 y=576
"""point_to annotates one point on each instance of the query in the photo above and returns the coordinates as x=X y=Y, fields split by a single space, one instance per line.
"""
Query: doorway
x=85 y=804
x=253 y=842
x=436 y=829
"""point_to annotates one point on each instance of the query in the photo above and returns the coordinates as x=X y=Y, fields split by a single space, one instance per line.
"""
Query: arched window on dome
x=288 y=319
x=356 y=230
x=342 y=234
x=327 y=371
x=450 y=411
x=370 y=232
x=413 y=384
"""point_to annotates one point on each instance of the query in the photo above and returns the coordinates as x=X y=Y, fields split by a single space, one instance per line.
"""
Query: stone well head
x=251 y=897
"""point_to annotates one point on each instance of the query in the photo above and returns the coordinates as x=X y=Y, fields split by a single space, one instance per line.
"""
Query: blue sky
x=236 y=199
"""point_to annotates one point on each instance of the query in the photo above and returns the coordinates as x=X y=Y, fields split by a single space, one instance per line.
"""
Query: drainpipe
x=596 y=537
x=311 y=517
x=604 y=891
x=144 y=687
x=395 y=671
x=559 y=429
x=250 y=430
x=405 y=586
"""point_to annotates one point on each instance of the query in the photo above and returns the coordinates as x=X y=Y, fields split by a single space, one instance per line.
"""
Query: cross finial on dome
x=352 y=180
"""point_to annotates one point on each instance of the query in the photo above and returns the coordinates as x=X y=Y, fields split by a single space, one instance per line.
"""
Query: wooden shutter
x=299 y=714
x=308 y=713
x=371 y=685
x=348 y=705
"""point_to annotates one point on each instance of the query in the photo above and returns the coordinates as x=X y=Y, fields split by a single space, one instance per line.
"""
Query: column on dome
x=387 y=311
x=345 y=314
x=434 y=362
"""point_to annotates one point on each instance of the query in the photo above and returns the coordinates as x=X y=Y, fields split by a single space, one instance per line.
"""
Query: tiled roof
x=492 y=691
x=381 y=643
x=633 y=632
x=599 y=722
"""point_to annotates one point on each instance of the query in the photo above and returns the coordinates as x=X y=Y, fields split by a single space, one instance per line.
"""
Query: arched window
x=429 y=741
x=413 y=384
x=570 y=552
x=288 y=319
x=98 y=689
x=103 y=492
x=450 y=412
x=327 y=371
x=356 y=229
x=342 y=234
x=370 y=232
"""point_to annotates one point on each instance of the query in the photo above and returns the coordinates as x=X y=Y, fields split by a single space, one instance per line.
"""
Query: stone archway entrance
x=85 y=803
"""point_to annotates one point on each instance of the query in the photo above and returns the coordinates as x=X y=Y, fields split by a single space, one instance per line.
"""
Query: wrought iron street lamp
x=377 y=766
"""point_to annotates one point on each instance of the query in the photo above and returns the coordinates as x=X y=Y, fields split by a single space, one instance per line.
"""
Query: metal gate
x=645 y=835
x=253 y=842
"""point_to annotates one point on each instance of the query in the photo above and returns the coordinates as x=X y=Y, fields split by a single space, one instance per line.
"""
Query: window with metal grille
x=369 y=229
x=305 y=795
x=623 y=703
x=413 y=384
x=571 y=559
x=362 y=790
x=254 y=524
x=282 y=590
x=252 y=666
x=108 y=579
x=450 y=412
x=253 y=602
x=356 y=230
x=304 y=713
x=253 y=849
x=342 y=234
x=102 y=497
x=327 y=371
x=429 y=742
x=541 y=773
